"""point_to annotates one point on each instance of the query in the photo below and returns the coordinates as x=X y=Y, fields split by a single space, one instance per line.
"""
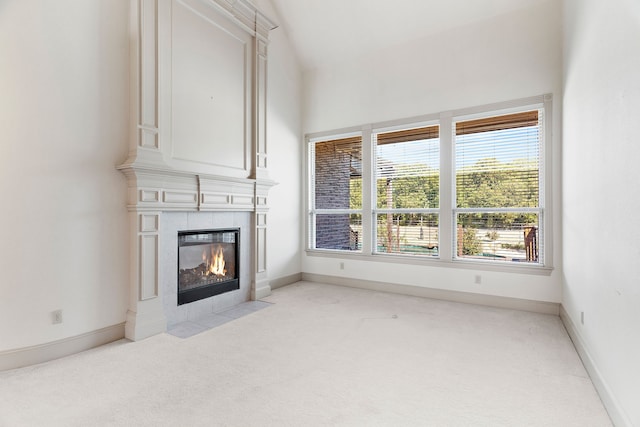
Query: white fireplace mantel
x=198 y=135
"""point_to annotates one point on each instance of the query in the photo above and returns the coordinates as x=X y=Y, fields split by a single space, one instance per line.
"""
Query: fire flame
x=215 y=263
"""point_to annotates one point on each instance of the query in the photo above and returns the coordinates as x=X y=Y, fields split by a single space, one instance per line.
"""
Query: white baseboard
x=261 y=290
x=26 y=356
x=543 y=307
x=286 y=280
x=611 y=404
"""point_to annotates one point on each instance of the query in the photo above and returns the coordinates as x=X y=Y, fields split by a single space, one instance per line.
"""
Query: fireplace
x=208 y=263
x=175 y=183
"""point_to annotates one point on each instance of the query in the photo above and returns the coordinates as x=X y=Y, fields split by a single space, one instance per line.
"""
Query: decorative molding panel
x=214 y=200
x=188 y=198
x=148 y=74
x=261 y=244
x=221 y=194
x=149 y=196
x=148 y=255
x=239 y=201
x=247 y=17
x=148 y=137
x=149 y=223
x=211 y=104
x=149 y=266
x=261 y=99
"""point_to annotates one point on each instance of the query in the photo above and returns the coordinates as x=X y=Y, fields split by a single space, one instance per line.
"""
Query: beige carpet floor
x=322 y=355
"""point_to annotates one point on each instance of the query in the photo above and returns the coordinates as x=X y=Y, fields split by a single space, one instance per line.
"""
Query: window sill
x=504 y=267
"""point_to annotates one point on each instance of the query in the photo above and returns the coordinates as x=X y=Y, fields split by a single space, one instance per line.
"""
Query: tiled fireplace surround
x=175 y=182
x=170 y=224
x=165 y=203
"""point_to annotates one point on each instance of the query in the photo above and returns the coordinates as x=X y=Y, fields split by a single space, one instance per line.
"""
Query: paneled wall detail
x=147 y=255
x=148 y=75
x=198 y=133
x=261 y=108
x=261 y=287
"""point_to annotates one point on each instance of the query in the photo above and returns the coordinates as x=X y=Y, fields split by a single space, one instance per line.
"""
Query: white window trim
x=447 y=208
x=310 y=209
x=417 y=122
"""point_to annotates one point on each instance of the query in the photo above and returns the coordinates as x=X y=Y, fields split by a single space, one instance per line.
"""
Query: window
x=407 y=191
x=463 y=186
x=498 y=187
x=336 y=214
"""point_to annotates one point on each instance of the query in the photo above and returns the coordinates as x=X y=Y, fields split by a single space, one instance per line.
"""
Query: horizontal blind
x=510 y=121
x=408 y=168
x=498 y=161
x=336 y=163
x=429 y=132
x=407 y=153
x=497 y=181
x=335 y=217
x=407 y=190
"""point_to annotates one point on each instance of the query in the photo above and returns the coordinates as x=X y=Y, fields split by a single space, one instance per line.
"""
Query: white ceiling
x=324 y=31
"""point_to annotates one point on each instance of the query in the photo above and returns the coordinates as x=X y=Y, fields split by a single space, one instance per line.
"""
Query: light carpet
x=322 y=355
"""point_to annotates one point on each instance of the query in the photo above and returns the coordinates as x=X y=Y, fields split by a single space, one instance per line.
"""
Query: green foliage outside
x=415 y=187
x=492 y=184
x=470 y=243
x=487 y=184
x=355 y=196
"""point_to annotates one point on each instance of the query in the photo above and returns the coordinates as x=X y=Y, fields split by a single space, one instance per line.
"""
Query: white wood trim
x=446 y=219
x=368 y=191
x=542 y=307
x=285 y=280
x=431 y=261
x=261 y=289
x=546 y=196
x=447 y=210
x=27 y=356
x=610 y=402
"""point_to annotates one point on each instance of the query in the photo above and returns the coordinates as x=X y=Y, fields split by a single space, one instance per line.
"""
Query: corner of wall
x=615 y=411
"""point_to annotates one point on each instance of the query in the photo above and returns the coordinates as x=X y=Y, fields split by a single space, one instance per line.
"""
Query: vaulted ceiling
x=326 y=31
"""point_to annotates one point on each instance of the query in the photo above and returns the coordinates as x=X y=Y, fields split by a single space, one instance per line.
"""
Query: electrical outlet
x=56 y=317
x=478 y=279
x=342 y=266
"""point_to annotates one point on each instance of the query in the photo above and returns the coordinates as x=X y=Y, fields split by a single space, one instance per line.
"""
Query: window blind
x=407 y=191
x=337 y=194
x=498 y=161
x=405 y=156
x=510 y=121
x=497 y=181
x=336 y=162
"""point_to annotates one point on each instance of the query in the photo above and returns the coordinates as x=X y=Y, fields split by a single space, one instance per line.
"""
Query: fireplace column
x=145 y=316
x=260 y=287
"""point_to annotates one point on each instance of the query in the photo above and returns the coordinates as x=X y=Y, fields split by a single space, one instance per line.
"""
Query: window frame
x=375 y=211
x=312 y=210
x=539 y=210
x=447 y=206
